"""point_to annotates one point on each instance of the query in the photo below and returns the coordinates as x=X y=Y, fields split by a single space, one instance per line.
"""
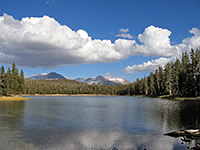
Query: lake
x=95 y=122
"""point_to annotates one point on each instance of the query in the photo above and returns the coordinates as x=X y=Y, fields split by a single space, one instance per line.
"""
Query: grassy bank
x=180 y=98
x=13 y=98
x=187 y=98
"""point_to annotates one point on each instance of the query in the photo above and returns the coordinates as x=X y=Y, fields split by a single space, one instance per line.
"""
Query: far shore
x=68 y=95
x=180 y=98
x=13 y=98
x=186 y=98
x=169 y=97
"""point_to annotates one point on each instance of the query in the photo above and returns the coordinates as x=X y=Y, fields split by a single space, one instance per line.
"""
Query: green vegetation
x=11 y=83
x=65 y=86
x=178 y=79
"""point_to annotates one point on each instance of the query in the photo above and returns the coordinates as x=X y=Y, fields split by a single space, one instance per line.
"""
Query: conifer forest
x=180 y=78
x=11 y=82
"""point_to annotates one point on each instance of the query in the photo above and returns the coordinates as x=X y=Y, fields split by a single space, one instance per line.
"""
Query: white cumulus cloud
x=125 y=35
x=194 y=41
x=124 y=30
x=43 y=42
x=156 y=42
x=147 y=66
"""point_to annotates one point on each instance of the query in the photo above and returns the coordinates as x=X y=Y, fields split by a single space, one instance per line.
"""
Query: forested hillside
x=179 y=78
x=11 y=82
x=65 y=86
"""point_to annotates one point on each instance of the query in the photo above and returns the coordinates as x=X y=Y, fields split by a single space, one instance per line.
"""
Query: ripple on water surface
x=94 y=122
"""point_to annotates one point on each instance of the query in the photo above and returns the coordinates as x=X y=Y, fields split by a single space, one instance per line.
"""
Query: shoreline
x=68 y=95
x=169 y=97
x=13 y=98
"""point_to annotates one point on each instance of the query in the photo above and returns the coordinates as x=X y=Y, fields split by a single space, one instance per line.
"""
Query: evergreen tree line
x=11 y=82
x=65 y=86
x=179 y=78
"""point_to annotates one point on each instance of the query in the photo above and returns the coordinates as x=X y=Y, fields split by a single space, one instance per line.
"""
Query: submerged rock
x=188 y=136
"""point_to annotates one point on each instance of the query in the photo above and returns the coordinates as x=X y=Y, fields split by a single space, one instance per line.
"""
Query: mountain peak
x=99 y=77
x=99 y=80
x=118 y=80
x=49 y=76
x=52 y=73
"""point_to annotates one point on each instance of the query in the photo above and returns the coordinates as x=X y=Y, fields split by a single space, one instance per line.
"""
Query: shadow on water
x=189 y=120
x=190 y=114
x=177 y=115
x=12 y=114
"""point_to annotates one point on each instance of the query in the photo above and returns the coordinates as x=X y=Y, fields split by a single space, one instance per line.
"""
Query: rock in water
x=188 y=136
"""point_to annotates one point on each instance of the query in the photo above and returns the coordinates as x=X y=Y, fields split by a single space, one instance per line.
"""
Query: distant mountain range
x=99 y=80
x=49 y=76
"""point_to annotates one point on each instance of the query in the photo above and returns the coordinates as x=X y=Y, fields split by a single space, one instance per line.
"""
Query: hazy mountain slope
x=49 y=76
x=99 y=80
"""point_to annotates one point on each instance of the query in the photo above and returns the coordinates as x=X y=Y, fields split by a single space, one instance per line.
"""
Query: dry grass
x=14 y=98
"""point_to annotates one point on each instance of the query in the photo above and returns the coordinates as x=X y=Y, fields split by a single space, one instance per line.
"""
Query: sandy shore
x=14 y=98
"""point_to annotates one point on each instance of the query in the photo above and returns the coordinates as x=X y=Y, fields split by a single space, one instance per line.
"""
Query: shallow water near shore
x=95 y=122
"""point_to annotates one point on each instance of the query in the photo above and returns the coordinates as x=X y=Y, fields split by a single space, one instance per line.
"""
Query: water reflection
x=190 y=114
x=95 y=122
x=11 y=120
x=122 y=140
x=105 y=139
x=175 y=115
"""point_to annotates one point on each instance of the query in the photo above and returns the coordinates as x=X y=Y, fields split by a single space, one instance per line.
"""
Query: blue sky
x=155 y=31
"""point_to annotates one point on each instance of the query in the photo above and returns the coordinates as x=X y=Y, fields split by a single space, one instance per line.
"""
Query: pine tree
x=184 y=75
x=175 y=77
x=1 y=91
x=15 y=79
x=21 y=83
x=145 y=86
x=196 y=63
x=197 y=73
x=8 y=83
x=191 y=73
x=151 y=85
x=156 y=83
x=2 y=78
x=161 y=80
x=168 y=79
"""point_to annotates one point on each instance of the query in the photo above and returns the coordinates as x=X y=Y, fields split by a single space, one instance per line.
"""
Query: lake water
x=95 y=122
